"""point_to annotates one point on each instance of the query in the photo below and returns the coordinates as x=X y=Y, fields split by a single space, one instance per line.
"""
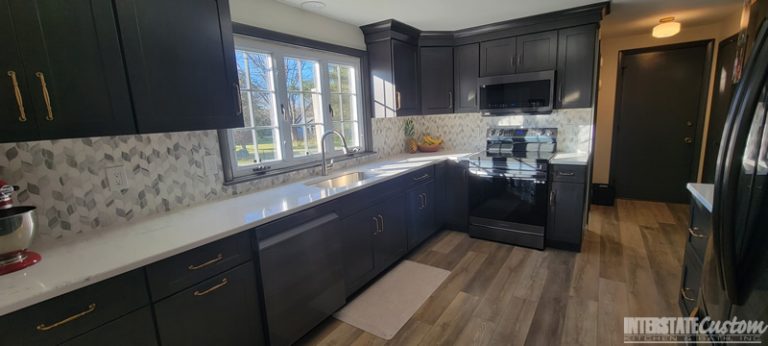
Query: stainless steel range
x=508 y=186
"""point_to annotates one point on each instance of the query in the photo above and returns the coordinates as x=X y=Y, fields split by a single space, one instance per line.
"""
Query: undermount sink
x=342 y=180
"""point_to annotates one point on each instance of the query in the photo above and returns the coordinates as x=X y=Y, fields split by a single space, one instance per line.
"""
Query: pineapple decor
x=411 y=145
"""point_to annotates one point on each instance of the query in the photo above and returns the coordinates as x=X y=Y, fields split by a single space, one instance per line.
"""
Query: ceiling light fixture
x=313 y=5
x=667 y=27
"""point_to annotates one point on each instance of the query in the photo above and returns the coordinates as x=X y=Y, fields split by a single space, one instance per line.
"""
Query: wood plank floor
x=504 y=295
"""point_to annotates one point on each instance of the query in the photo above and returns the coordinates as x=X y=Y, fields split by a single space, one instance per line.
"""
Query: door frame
x=703 y=102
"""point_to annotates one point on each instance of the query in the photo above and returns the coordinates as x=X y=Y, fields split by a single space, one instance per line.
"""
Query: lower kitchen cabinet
x=567 y=200
x=136 y=328
x=451 y=196
x=222 y=310
x=373 y=239
x=301 y=273
x=421 y=213
x=699 y=232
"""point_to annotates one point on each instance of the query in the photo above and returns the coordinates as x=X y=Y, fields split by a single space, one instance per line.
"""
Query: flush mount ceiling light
x=667 y=27
x=313 y=5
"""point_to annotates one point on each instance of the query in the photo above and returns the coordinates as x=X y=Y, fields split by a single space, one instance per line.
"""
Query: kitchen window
x=291 y=96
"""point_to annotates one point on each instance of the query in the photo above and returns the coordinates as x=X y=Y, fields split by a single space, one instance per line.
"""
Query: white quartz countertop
x=704 y=193
x=570 y=159
x=85 y=259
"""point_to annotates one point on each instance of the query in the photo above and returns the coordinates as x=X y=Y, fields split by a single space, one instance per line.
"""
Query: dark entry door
x=721 y=100
x=660 y=102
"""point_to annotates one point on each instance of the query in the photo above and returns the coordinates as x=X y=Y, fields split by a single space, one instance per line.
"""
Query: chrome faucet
x=322 y=148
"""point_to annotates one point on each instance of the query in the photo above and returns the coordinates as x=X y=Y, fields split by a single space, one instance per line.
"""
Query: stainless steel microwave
x=529 y=93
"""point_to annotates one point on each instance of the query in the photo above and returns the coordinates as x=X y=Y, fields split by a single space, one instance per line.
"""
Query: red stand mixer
x=17 y=228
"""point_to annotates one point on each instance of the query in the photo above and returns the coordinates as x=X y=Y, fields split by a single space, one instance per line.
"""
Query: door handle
x=688 y=140
x=425 y=176
x=382 y=222
x=421 y=201
x=397 y=101
x=566 y=174
x=46 y=95
x=684 y=293
x=17 y=93
x=203 y=265
x=552 y=198
x=376 y=220
x=44 y=327
x=223 y=283
x=450 y=99
x=425 y=199
x=694 y=233
x=519 y=60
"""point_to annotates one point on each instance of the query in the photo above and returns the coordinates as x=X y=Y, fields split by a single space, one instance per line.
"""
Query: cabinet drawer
x=418 y=176
x=136 y=328
x=223 y=310
x=690 y=282
x=181 y=271
x=64 y=317
x=699 y=229
x=569 y=173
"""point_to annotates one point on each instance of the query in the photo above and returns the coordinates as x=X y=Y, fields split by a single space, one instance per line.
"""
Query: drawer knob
x=223 y=283
x=694 y=233
x=203 y=265
x=43 y=327
x=684 y=293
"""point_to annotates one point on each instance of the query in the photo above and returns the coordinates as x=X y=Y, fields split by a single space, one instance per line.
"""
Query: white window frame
x=278 y=53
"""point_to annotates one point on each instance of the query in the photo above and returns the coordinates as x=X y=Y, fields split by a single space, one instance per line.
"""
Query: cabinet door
x=566 y=215
x=180 y=60
x=421 y=213
x=436 y=80
x=498 y=57
x=391 y=242
x=358 y=232
x=223 y=310
x=455 y=203
x=576 y=67
x=16 y=121
x=466 y=60
x=405 y=68
x=537 y=52
x=136 y=328
x=74 y=72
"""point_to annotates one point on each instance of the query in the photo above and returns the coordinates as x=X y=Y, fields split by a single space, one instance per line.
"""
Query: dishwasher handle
x=296 y=231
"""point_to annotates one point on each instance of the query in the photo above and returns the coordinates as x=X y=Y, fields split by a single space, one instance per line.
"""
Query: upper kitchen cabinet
x=63 y=72
x=394 y=68
x=498 y=57
x=537 y=52
x=466 y=62
x=436 y=80
x=181 y=68
x=576 y=66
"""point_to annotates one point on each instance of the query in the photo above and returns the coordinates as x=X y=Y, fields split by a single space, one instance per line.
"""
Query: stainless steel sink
x=342 y=180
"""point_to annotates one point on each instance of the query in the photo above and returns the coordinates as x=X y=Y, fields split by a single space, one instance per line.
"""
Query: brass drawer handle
x=201 y=266
x=17 y=93
x=43 y=327
x=223 y=283
x=683 y=292
x=695 y=234
x=397 y=107
x=425 y=176
x=46 y=96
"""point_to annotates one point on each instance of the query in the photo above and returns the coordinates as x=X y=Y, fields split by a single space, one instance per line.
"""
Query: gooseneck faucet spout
x=322 y=148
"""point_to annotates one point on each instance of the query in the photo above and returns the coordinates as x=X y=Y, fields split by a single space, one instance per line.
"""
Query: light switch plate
x=117 y=178
x=211 y=164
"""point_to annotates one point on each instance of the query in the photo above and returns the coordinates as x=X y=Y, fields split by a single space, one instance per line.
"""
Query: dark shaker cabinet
x=394 y=75
x=576 y=67
x=466 y=60
x=71 y=81
x=302 y=274
x=421 y=213
x=537 y=52
x=567 y=200
x=181 y=68
x=498 y=57
x=436 y=80
x=222 y=310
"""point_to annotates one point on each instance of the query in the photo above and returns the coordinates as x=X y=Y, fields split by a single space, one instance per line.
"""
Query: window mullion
x=281 y=93
x=325 y=96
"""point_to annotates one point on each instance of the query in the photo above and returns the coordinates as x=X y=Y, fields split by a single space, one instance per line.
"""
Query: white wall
x=609 y=50
x=272 y=15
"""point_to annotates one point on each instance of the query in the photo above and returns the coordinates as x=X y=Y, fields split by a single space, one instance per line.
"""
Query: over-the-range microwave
x=521 y=93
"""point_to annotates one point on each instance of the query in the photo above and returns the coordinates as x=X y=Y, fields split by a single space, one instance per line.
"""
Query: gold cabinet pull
x=397 y=107
x=382 y=222
x=376 y=220
x=694 y=233
x=684 y=293
x=46 y=96
x=17 y=93
x=425 y=176
x=43 y=327
x=203 y=265
x=223 y=283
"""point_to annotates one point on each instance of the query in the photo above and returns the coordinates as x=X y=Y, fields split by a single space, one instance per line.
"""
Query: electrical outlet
x=211 y=165
x=117 y=178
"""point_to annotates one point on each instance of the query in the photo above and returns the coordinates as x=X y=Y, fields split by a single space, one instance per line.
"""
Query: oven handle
x=502 y=175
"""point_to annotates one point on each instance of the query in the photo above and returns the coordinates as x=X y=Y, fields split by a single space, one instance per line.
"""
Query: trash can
x=603 y=194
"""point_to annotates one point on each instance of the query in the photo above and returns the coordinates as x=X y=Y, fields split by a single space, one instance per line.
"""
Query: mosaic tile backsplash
x=66 y=179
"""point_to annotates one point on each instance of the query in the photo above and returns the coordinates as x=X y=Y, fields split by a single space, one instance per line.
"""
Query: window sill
x=303 y=166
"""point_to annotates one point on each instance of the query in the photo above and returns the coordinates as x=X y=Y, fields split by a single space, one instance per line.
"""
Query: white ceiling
x=627 y=16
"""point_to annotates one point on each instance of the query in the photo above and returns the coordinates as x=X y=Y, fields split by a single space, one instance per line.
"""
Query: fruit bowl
x=429 y=148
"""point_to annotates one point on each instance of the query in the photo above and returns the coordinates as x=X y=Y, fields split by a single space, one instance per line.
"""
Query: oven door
x=519 y=198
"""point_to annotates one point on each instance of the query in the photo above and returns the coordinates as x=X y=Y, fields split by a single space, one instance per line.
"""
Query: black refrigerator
x=735 y=278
